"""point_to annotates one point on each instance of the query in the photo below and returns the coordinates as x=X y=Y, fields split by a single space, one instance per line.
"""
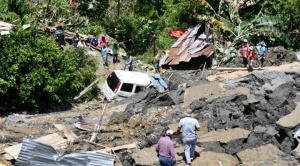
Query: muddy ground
x=245 y=118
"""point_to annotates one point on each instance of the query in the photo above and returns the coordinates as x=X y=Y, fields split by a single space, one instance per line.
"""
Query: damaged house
x=191 y=51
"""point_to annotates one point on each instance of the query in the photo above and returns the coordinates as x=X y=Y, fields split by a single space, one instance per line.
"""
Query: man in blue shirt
x=104 y=51
x=262 y=53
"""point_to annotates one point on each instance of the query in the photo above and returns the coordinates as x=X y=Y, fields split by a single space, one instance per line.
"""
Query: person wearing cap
x=251 y=58
x=262 y=53
x=75 y=38
x=245 y=52
x=60 y=35
x=165 y=150
x=189 y=125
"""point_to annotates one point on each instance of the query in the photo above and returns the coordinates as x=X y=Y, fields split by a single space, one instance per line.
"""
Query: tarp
x=297 y=134
x=34 y=153
x=159 y=84
x=177 y=33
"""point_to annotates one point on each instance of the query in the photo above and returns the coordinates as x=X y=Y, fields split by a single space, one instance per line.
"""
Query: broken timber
x=128 y=146
x=86 y=90
x=67 y=132
x=228 y=68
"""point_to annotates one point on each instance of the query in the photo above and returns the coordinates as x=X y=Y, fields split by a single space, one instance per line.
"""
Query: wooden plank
x=67 y=132
x=54 y=140
x=228 y=68
x=87 y=89
x=128 y=146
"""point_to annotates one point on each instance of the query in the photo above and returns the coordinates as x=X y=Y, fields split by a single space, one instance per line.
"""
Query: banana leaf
x=268 y=20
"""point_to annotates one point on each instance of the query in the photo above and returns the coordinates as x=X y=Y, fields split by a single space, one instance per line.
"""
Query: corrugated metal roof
x=188 y=46
x=34 y=153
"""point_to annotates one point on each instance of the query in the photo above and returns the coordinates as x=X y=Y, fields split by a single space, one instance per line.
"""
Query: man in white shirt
x=189 y=125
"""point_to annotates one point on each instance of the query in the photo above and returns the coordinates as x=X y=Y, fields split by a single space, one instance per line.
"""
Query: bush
x=36 y=74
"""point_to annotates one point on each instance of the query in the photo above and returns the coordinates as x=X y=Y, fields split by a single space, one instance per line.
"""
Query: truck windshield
x=112 y=81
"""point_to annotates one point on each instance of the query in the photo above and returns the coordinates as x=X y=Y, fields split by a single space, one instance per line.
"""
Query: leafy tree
x=12 y=10
x=35 y=73
x=95 y=10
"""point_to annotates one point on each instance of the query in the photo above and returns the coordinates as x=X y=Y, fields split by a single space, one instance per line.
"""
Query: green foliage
x=12 y=10
x=92 y=30
x=35 y=73
x=95 y=10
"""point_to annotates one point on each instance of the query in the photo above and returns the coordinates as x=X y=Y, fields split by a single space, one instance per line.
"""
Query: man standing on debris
x=60 y=35
x=115 y=49
x=165 y=150
x=251 y=59
x=245 y=52
x=104 y=52
x=129 y=63
x=103 y=41
x=156 y=62
x=262 y=53
x=189 y=125
x=75 y=39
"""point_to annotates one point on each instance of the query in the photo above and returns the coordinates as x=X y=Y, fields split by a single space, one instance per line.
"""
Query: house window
x=138 y=89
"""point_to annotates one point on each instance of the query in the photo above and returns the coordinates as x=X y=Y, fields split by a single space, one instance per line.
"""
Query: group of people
x=248 y=54
x=165 y=148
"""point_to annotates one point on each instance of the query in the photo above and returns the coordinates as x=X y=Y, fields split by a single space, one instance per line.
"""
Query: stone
x=265 y=155
x=292 y=119
x=260 y=129
x=8 y=157
x=213 y=158
x=146 y=156
x=223 y=137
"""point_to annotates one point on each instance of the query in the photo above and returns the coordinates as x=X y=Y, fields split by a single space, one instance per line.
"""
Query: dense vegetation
x=132 y=22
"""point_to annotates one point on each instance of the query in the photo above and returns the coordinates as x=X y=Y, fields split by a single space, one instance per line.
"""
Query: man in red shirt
x=245 y=52
x=165 y=150
x=103 y=41
x=251 y=58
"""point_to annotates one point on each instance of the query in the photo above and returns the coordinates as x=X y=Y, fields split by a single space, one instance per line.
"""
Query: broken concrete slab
x=224 y=137
x=54 y=140
x=213 y=158
x=212 y=91
x=292 y=119
x=265 y=155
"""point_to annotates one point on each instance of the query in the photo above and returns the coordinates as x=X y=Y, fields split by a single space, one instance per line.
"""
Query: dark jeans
x=115 y=58
x=105 y=60
x=164 y=161
x=245 y=61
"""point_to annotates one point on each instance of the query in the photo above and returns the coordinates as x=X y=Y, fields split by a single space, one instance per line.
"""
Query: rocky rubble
x=244 y=121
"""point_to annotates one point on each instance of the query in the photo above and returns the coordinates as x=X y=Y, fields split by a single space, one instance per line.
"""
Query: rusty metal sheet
x=183 y=55
x=187 y=56
x=199 y=53
x=172 y=52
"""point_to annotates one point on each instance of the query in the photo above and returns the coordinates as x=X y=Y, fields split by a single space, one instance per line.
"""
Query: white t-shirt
x=189 y=126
